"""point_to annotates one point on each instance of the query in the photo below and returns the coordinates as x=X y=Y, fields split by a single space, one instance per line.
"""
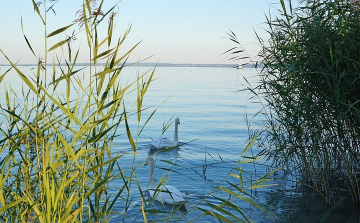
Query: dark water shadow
x=292 y=203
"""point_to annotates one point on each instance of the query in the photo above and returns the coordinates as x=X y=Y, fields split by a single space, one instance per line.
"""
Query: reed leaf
x=58 y=31
x=143 y=211
x=36 y=8
x=66 y=76
x=23 y=77
x=128 y=132
x=226 y=212
x=7 y=206
x=242 y=198
x=217 y=216
x=103 y=54
x=58 y=44
x=85 y=19
x=248 y=146
x=26 y=39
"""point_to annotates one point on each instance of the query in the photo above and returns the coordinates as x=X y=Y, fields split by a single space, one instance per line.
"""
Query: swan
x=168 y=194
x=164 y=143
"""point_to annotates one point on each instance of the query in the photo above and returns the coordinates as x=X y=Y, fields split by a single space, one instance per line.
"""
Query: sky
x=186 y=31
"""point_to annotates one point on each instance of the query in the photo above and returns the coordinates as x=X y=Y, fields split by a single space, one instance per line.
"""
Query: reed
x=58 y=132
x=309 y=87
x=57 y=160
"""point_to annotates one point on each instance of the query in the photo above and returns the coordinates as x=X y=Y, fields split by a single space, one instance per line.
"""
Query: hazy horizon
x=185 y=32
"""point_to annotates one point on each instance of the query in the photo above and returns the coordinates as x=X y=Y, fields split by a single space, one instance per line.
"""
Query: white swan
x=164 y=143
x=167 y=194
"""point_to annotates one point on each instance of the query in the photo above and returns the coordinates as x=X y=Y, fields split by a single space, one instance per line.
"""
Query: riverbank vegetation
x=310 y=91
x=56 y=158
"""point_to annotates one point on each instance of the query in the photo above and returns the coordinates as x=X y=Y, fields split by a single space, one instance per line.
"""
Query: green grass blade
x=58 y=44
x=249 y=145
x=27 y=41
x=59 y=30
x=36 y=8
x=103 y=54
x=128 y=132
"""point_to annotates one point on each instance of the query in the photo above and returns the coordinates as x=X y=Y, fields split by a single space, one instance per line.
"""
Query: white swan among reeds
x=165 y=194
x=164 y=143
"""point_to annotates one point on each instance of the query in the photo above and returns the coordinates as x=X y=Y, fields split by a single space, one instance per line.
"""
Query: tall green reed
x=63 y=171
x=309 y=86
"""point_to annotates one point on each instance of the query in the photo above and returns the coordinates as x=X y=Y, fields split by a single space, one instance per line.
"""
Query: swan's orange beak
x=147 y=162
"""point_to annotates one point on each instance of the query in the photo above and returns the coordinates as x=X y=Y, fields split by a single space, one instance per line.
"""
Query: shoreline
x=156 y=64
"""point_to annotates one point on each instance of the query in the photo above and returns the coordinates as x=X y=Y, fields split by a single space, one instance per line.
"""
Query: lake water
x=212 y=112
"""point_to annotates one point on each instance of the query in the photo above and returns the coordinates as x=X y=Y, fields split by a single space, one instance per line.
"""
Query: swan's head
x=150 y=159
x=177 y=121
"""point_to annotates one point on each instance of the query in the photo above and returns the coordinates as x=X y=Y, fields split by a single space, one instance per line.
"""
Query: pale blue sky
x=173 y=31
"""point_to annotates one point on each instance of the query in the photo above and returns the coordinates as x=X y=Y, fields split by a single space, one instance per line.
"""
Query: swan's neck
x=176 y=140
x=151 y=178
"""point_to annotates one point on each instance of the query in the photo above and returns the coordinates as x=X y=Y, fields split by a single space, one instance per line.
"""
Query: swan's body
x=167 y=194
x=164 y=143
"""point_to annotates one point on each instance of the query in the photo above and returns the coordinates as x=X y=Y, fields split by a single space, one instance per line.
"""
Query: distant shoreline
x=159 y=65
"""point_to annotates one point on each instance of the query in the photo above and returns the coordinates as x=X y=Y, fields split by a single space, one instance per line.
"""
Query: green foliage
x=57 y=160
x=310 y=84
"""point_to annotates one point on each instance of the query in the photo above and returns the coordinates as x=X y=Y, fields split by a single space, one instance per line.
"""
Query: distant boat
x=239 y=66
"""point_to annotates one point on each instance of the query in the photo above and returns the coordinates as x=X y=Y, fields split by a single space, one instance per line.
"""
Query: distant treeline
x=250 y=65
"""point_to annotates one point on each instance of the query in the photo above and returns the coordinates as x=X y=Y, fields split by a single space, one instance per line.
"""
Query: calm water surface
x=211 y=110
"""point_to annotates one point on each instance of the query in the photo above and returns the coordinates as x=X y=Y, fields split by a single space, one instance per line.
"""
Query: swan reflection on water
x=173 y=152
x=165 y=194
x=157 y=205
